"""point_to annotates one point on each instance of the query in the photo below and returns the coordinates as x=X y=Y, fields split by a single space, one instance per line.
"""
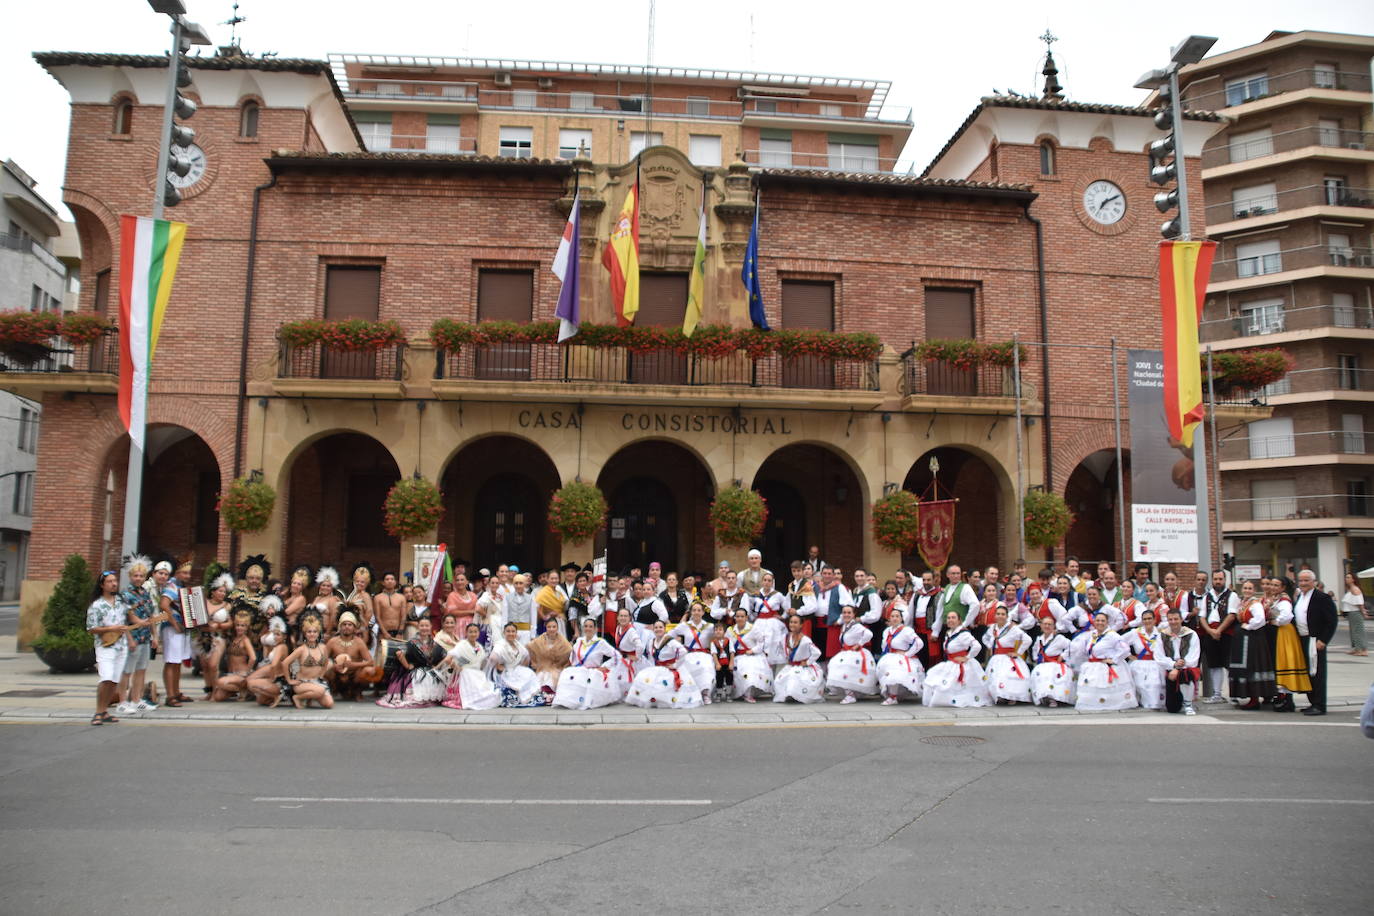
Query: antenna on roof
x=649 y=77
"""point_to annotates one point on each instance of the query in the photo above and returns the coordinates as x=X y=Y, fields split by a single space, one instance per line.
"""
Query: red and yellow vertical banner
x=621 y=258
x=1184 y=268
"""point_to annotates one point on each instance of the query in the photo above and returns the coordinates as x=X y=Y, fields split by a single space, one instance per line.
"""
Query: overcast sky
x=939 y=56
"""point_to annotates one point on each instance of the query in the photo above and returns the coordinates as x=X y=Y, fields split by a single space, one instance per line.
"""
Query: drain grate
x=31 y=692
x=952 y=740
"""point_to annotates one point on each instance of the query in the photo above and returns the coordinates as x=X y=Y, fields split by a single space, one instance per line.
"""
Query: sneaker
x=890 y=701
x=126 y=709
x=1189 y=710
x=849 y=698
x=145 y=706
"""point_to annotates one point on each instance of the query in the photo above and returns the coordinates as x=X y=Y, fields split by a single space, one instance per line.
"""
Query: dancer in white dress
x=470 y=688
x=595 y=676
x=852 y=670
x=958 y=680
x=1007 y=676
x=1052 y=680
x=696 y=632
x=800 y=676
x=899 y=667
x=1145 y=648
x=749 y=659
x=663 y=685
x=769 y=605
x=1103 y=681
x=510 y=669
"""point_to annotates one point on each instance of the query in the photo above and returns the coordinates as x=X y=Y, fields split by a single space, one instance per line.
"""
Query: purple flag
x=566 y=267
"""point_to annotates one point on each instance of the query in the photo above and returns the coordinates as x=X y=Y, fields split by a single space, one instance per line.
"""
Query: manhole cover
x=31 y=692
x=952 y=740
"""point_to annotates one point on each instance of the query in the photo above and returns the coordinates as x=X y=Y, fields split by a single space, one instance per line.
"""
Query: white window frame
x=582 y=101
x=1271 y=438
x=1343 y=310
x=376 y=136
x=570 y=138
x=1352 y=434
x=1245 y=88
x=775 y=153
x=516 y=142
x=443 y=138
x=853 y=157
x=704 y=149
x=1254 y=259
x=1273 y=499
x=1324 y=76
x=1262 y=316
x=1251 y=144
x=1254 y=200
x=1328 y=132
x=641 y=140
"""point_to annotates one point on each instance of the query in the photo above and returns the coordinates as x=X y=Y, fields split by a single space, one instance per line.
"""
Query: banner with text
x=1163 y=509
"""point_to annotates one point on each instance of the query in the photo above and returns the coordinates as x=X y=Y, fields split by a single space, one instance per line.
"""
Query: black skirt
x=1251 y=666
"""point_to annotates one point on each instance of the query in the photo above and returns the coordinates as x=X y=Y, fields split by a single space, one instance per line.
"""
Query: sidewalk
x=28 y=692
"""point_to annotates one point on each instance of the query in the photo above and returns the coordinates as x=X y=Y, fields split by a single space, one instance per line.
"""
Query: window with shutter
x=505 y=295
x=662 y=303
x=949 y=316
x=350 y=292
x=808 y=305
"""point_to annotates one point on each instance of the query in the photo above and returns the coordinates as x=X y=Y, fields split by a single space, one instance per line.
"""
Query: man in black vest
x=1218 y=618
x=1314 y=613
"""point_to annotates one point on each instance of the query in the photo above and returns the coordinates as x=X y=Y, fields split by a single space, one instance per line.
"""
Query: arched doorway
x=178 y=510
x=1093 y=499
x=784 y=534
x=335 y=495
x=978 y=519
x=817 y=494
x=496 y=498
x=660 y=495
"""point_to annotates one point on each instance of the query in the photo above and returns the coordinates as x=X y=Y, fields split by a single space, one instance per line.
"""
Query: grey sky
x=940 y=57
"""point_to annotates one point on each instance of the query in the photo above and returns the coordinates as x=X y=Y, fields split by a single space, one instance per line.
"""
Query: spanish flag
x=1184 y=268
x=621 y=258
x=149 y=251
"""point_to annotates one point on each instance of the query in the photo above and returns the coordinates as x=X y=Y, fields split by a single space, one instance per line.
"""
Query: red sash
x=1056 y=660
x=959 y=658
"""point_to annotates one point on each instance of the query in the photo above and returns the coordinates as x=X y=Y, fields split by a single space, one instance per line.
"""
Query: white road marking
x=1262 y=801
x=593 y=802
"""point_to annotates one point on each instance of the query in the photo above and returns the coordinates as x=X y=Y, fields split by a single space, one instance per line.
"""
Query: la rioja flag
x=148 y=255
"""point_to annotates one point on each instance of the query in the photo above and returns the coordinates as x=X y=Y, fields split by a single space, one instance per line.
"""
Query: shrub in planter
x=413 y=506
x=65 y=646
x=737 y=516
x=577 y=511
x=247 y=505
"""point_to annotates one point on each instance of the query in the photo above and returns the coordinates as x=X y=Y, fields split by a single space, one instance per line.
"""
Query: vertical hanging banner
x=1163 y=508
x=148 y=254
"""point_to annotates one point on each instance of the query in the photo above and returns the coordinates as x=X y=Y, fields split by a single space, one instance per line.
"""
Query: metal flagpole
x=1020 y=481
x=1216 y=466
x=1122 y=508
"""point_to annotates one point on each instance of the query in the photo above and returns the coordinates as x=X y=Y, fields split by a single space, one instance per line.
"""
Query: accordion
x=193 y=607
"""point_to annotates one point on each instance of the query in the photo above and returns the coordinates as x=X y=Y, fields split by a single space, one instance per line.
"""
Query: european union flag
x=750 y=276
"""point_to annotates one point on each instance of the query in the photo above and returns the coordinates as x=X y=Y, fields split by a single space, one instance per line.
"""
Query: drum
x=387 y=650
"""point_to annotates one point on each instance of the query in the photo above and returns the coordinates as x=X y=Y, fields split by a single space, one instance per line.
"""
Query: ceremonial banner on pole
x=598 y=585
x=1163 y=508
x=427 y=563
x=1184 y=268
x=621 y=258
x=935 y=531
x=148 y=255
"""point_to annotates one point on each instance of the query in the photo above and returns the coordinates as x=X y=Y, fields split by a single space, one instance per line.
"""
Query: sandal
x=184 y=698
x=173 y=702
x=109 y=719
x=98 y=719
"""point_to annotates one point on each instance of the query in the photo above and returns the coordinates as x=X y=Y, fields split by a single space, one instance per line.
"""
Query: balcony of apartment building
x=1272 y=443
x=1252 y=207
x=62 y=365
x=1274 y=506
x=1265 y=148
x=1266 y=262
x=1259 y=91
x=1346 y=380
x=838 y=157
x=27 y=250
x=1273 y=322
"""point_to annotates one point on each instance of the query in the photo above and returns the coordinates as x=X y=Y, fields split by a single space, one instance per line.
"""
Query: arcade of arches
x=1093 y=499
x=813 y=498
x=334 y=501
x=978 y=519
x=496 y=496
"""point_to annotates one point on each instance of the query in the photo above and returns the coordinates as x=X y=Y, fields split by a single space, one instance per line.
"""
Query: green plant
x=1004 y=354
x=413 y=506
x=301 y=333
x=738 y=516
x=84 y=327
x=577 y=511
x=348 y=334
x=1047 y=518
x=64 y=618
x=24 y=336
x=896 y=518
x=961 y=353
x=713 y=341
x=247 y=505
x=1246 y=369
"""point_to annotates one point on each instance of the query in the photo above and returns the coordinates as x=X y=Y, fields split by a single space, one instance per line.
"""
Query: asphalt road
x=1069 y=818
x=9 y=619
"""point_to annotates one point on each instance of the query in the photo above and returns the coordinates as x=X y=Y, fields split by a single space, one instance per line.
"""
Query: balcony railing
x=848 y=161
x=62 y=355
x=1284 y=141
x=938 y=377
x=1296 y=445
x=1261 y=322
x=316 y=361
x=417 y=90
x=1226 y=269
x=1288 y=200
x=418 y=143
x=1321 y=379
x=1265 y=86
x=542 y=362
x=32 y=246
x=1283 y=508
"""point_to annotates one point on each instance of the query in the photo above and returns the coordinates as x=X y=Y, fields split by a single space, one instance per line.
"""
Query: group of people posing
x=658 y=640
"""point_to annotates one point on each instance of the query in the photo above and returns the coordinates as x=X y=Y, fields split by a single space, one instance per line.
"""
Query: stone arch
x=496 y=490
x=336 y=482
x=646 y=481
x=1073 y=448
x=981 y=524
x=1091 y=493
x=591 y=466
x=835 y=495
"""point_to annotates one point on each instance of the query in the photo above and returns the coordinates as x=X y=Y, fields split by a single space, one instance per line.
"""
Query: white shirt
x=1300 y=611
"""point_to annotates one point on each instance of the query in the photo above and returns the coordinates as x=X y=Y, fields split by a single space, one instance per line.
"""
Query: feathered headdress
x=302 y=574
x=138 y=561
x=260 y=561
x=224 y=581
x=271 y=605
x=327 y=574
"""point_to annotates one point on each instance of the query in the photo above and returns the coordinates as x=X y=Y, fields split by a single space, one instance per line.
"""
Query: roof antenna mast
x=649 y=77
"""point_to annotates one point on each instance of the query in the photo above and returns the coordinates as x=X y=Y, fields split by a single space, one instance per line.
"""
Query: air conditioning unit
x=502 y=79
x=1354 y=145
x=545 y=82
x=1365 y=260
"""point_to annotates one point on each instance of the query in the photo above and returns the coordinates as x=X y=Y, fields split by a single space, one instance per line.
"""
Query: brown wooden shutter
x=949 y=314
x=808 y=304
x=662 y=300
x=352 y=292
x=102 y=292
x=505 y=295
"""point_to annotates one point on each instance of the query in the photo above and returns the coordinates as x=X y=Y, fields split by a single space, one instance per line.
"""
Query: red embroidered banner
x=935 y=524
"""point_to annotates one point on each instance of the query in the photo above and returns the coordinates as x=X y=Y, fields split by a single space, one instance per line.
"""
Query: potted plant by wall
x=65 y=646
x=25 y=336
x=738 y=516
x=577 y=511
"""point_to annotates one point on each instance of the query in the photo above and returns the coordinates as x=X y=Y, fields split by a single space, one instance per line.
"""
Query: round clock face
x=197 y=172
x=1104 y=202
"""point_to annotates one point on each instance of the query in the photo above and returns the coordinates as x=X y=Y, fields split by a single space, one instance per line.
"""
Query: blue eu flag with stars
x=750 y=276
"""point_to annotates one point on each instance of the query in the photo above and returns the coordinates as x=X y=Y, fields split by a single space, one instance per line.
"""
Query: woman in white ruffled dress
x=594 y=676
x=626 y=641
x=958 y=680
x=800 y=677
x=470 y=687
x=769 y=606
x=1007 y=675
x=899 y=667
x=1104 y=681
x=664 y=685
x=509 y=666
x=852 y=670
x=1146 y=652
x=1052 y=680
x=749 y=659
x=696 y=632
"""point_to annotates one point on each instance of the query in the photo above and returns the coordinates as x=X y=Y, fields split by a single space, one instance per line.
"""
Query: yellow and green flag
x=696 y=286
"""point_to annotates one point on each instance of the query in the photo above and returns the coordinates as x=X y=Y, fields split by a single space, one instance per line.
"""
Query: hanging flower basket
x=1246 y=370
x=577 y=511
x=738 y=516
x=413 y=506
x=1047 y=518
x=896 y=521
x=247 y=505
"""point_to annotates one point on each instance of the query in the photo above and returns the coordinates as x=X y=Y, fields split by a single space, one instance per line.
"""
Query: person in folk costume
x=212 y=639
x=1130 y=608
x=925 y=615
x=957 y=596
x=1052 y=680
x=1040 y=607
x=1007 y=675
x=831 y=599
x=664 y=684
x=248 y=597
x=1170 y=594
x=800 y=678
x=720 y=656
x=306 y=670
x=594 y=676
x=265 y=681
x=579 y=601
x=988 y=606
x=296 y=599
x=1192 y=603
x=519 y=609
x=906 y=587
x=729 y=599
x=645 y=609
x=508 y=666
x=1180 y=649
x=894 y=599
x=417 y=681
x=1155 y=601
x=550 y=600
x=1143 y=644
x=752 y=674
x=767 y=609
x=609 y=604
x=868 y=605
x=1290 y=666
x=490 y=609
x=326 y=603
x=238 y=660
x=801 y=596
x=353 y=666
x=550 y=652
x=419 y=607
x=625 y=639
x=958 y=680
x=468 y=686
x=899 y=666
x=852 y=670
x=675 y=599
x=1252 y=663
x=448 y=636
x=1217 y=620
x=696 y=632
x=359 y=600
x=751 y=579
x=1078 y=620
x=1104 y=682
